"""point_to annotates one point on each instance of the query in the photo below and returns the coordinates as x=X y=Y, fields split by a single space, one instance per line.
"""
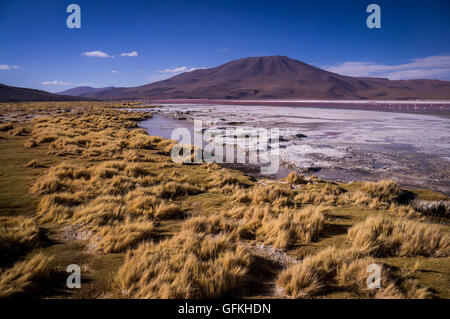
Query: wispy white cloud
x=167 y=73
x=134 y=53
x=158 y=77
x=8 y=67
x=56 y=82
x=178 y=70
x=223 y=50
x=432 y=67
x=113 y=71
x=96 y=54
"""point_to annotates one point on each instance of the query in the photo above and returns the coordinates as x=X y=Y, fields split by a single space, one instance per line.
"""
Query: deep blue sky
x=173 y=34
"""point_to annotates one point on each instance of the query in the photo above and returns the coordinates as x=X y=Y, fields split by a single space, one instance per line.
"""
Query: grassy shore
x=82 y=184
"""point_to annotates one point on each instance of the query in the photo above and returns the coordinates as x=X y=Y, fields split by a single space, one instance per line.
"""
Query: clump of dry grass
x=167 y=211
x=4 y=127
x=141 y=141
x=135 y=156
x=353 y=276
x=18 y=131
x=155 y=139
x=136 y=170
x=45 y=139
x=360 y=198
x=24 y=276
x=403 y=210
x=221 y=178
x=281 y=228
x=65 y=199
x=30 y=143
x=275 y=195
x=294 y=179
x=377 y=195
x=120 y=185
x=100 y=212
x=189 y=265
x=281 y=195
x=34 y=164
x=212 y=167
x=327 y=194
x=140 y=202
x=115 y=237
x=381 y=236
x=293 y=227
x=62 y=178
x=174 y=189
x=166 y=146
x=48 y=185
x=300 y=281
x=385 y=190
x=346 y=269
x=223 y=181
x=111 y=227
x=18 y=235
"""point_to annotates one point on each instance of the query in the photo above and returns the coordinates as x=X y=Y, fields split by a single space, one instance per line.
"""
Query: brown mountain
x=18 y=94
x=277 y=77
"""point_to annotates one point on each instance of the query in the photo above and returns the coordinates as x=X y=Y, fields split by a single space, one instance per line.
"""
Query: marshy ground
x=82 y=184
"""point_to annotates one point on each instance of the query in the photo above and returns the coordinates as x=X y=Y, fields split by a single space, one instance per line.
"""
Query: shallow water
x=341 y=144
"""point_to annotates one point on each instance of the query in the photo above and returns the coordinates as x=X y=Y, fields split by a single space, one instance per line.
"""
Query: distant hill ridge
x=18 y=94
x=278 y=77
x=272 y=77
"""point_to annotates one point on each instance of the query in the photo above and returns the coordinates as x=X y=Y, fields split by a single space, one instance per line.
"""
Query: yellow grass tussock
x=6 y=126
x=274 y=195
x=117 y=236
x=18 y=235
x=24 y=277
x=335 y=268
x=295 y=179
x=280 y=228
x=33 y=164
x=189 y=265
x=386 y=191
x=382 y=236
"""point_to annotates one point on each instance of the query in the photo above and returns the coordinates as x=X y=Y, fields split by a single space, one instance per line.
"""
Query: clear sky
x=163 y=38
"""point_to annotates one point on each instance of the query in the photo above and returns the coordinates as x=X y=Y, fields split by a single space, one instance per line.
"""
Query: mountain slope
x=18 y=94
x=277 y=77
x=84 y=90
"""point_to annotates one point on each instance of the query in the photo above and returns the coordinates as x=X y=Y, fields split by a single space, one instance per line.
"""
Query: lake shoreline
x=400 y=162
x=440 y=108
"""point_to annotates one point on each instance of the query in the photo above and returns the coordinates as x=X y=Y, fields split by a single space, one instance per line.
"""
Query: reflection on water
x=163 y=126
